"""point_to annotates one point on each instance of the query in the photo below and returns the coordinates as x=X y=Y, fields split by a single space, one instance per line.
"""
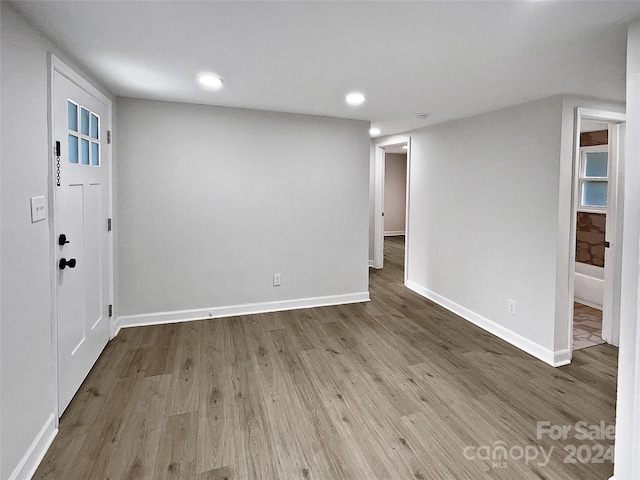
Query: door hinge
x=108 y=136
x=110 y=311
x=607 y=244
x=108 y=224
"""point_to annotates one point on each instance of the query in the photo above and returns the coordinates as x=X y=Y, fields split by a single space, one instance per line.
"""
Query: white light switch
x=38 y=209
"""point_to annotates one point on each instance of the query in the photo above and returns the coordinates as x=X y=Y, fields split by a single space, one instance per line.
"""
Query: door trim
x=379 y=164
x=614 y=119
x=57 y=65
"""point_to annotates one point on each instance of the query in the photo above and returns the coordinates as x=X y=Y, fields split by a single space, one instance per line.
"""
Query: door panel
x=93 y=228
x=80 y=202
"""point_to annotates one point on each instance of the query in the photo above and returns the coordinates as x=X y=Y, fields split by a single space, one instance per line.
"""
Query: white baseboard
x=394 y=233
x=371 y=263
x=554 y=359
x=34 y=455
x=157 y=318
x=561 y=357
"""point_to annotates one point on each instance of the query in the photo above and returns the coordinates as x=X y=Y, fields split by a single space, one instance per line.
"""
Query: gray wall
x=484 y=215
x=212 y=201
x=26 y=374
x=27 y=396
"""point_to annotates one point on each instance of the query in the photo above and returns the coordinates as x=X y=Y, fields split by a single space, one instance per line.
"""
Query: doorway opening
x=395 y=190
x=597 y=218
x=392 y=167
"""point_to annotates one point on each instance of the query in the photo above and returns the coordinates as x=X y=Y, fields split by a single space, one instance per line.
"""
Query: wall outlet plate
x=511 y=307
x=277 y=280
x=38 y=209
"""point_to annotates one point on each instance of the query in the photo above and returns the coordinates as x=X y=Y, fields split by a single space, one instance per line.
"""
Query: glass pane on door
x=85 y=151
x=95 y=154
x=73 y=149
x=72 y=116
x=94 y=126
x=84 y=121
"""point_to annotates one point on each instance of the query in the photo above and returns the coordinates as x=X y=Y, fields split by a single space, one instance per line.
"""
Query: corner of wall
x=29 y=463
x=555 y=359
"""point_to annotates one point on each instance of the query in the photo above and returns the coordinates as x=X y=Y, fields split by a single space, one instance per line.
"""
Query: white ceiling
x=450 y=59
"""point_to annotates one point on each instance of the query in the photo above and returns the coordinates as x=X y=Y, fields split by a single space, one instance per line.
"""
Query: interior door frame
x=379 y=166
x=610 y=328
x=58 y=66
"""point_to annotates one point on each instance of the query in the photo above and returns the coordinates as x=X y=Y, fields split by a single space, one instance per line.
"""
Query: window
x=84 y=135
x=594 y=178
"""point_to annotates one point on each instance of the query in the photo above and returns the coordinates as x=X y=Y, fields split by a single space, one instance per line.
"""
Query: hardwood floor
x=396 y=388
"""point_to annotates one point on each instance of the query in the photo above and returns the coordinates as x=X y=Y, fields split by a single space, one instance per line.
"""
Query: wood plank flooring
x=396 y=388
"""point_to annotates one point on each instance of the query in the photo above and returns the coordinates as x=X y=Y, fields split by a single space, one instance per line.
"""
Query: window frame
x=82 y=136
x=582 y=178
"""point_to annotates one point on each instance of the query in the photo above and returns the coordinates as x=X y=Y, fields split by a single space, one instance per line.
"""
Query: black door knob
x=62 y=239
x=71 y=263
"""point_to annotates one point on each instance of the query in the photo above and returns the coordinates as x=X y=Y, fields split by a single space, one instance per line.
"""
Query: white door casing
x=612 y=270
x=612 y=254
x=80 y=213
x=378 y=172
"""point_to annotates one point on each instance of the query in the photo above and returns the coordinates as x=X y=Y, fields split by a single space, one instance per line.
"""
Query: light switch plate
x=38 y=209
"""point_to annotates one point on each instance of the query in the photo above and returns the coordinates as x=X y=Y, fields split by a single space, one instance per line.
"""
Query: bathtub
x=589 y=285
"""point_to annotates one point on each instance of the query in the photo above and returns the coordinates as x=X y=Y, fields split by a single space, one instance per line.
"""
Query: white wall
x=627 y=445
x=26 y=308
x=395 y=188
x=213 y=201
x=484 y=219
x=27 y=398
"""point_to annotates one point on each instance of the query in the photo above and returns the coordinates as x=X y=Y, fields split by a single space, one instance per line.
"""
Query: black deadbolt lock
x=71 y=263
x=62 y=239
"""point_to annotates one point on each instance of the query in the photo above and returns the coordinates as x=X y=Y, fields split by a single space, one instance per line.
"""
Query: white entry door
x=81 y=235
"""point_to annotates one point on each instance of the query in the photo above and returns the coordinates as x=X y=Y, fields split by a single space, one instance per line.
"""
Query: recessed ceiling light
x=374 y=131
x=422 y=116
x=209 y=81
x=355 y=98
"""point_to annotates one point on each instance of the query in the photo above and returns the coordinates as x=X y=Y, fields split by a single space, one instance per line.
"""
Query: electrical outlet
x=277 y=280
x=511 y=307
